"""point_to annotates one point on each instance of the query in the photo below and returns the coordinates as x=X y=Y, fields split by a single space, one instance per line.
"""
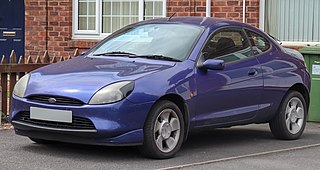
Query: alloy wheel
x=167 y=130
x=294 y=115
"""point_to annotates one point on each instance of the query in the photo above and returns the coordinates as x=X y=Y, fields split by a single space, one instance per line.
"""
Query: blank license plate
x=51 y=114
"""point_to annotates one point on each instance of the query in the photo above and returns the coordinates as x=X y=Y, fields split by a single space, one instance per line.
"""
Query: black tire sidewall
x=286 y=134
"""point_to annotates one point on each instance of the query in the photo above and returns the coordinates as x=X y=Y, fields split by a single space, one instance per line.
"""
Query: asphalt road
x=243 y=147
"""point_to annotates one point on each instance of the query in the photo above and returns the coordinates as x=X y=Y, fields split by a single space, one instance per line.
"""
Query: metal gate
x=11 y=27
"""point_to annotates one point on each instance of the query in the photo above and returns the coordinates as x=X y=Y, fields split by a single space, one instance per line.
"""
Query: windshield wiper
x=132 y=55
x=116 y=53
x=158 y=57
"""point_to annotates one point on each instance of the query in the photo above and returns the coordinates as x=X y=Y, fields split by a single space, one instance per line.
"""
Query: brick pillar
x=35 y=33
x=233 y=10
x=59 y=31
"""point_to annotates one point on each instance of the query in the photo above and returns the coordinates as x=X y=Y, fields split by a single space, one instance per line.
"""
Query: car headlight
x=21 y=86
x=112 y=93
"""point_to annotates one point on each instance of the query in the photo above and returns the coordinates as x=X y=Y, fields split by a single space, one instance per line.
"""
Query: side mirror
x=213 y=64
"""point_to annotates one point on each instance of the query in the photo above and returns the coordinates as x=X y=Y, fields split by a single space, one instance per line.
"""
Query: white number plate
x=51 y=114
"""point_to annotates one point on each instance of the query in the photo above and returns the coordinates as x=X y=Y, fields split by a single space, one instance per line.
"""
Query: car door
x=276 y=71
x=231 y=95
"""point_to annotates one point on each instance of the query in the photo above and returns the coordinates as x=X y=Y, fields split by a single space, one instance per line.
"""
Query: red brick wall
x=229 y=9
x=59 y=33
x=60 y=42
x=186 y=7
x=35 y=34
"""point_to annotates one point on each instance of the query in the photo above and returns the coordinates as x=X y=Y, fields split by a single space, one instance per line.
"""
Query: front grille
x=59 y=100
x=77 y=122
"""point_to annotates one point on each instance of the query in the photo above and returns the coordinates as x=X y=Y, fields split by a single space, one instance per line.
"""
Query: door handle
x=252 y=72
x=9 y=33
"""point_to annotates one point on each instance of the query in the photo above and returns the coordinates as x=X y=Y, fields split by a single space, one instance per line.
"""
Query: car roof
x=198 y=21
x=211 y=23
x=208 y=22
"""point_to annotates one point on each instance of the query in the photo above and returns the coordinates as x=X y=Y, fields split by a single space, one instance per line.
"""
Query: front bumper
x=119 y=123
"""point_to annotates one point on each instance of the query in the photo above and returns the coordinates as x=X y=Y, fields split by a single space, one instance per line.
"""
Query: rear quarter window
x=259 y=42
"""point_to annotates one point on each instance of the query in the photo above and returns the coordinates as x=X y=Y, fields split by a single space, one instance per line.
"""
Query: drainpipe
x=244 y=12
x=47 y=24
x=141 y=10
x=208 y=8
x=261 y=14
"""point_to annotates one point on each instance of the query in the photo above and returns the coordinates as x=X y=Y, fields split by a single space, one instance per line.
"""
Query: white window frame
x=76 y=20
x=262 y=25
x=97 y=33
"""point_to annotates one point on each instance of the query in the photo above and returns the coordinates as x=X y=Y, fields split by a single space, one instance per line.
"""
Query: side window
x=259 y=43
x=229 y=44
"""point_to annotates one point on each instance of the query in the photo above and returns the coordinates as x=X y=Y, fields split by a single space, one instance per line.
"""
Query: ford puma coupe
x=152 y=82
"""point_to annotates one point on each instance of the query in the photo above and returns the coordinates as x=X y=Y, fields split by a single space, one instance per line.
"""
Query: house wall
x=229 y=9
x=57 y=16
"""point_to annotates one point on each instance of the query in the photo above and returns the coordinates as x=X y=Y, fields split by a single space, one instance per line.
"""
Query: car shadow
x=226 y=136
x=197 y=140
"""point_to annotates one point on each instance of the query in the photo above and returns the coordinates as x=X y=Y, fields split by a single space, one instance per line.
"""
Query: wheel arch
x=303 y=90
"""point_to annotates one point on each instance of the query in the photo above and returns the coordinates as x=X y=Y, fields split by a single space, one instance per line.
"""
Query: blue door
x=231 y=95
x=11 y=27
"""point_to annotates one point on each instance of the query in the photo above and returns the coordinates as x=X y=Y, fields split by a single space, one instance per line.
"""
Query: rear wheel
x=163 y=131
x=290 y=122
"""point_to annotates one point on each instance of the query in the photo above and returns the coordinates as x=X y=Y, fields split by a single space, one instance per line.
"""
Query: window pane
x=125 y=20
x=92 y=8
x=107 y=27
x=106 y=8
x=115 y=23
x=82 y=8
x=153 y=9
x=259 y=43
x=82 y=23
x=228 y=45
x=87 y=15
x=134 y=19
x=293 y=20
x=158 y=5
x=117 y=14
x=135 y=7
x=91 y=23
x=126 y=8
x=148 y=8
x=116 y=10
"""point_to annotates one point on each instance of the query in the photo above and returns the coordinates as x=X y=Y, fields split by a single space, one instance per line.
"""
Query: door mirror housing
x=213 y=64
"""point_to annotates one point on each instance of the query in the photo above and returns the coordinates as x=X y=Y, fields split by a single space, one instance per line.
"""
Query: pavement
x=242 y=147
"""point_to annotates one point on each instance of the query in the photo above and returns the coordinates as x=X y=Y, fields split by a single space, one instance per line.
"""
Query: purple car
x=152 y=82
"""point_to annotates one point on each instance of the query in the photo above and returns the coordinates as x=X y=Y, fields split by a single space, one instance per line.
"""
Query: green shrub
x=4 y=118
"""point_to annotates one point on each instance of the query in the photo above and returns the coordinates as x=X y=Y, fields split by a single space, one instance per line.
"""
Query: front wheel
x=290 y=122
x=163 y=131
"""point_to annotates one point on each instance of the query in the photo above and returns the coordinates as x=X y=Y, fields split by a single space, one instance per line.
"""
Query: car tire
x=290 y=121
x=163 y=131
x=42 y=141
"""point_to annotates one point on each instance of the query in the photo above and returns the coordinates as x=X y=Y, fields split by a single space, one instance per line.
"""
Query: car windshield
x=155 y=41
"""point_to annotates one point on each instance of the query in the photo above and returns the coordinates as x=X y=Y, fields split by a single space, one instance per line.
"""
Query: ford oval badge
x=52 y=100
